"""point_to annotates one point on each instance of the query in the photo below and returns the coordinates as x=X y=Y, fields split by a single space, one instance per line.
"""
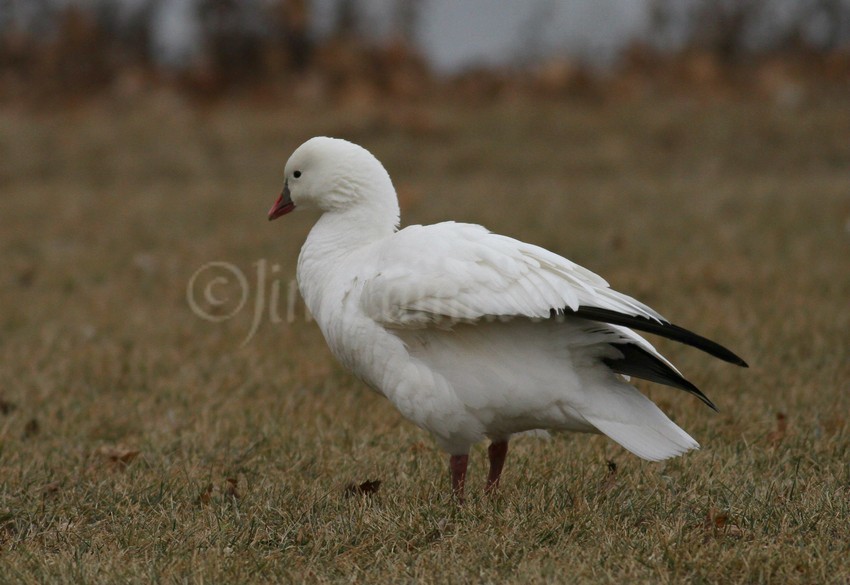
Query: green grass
x=139 y=443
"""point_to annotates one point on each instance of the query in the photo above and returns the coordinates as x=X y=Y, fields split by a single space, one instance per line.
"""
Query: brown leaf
x=205 y=496
x=834 y=423
x=618 y=242
x=776 y=437
x=6 y=407
x=420 y=447
x=719 y=524
x=32 y=428
x=367 y=488
x=708 y=522
x=610 y=478
x=50 y=488
x=118 y=454
x=236 y=486
x=230 y=488
x=26 y=276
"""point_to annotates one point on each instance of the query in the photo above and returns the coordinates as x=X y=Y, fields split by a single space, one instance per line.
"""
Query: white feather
x=452 y=323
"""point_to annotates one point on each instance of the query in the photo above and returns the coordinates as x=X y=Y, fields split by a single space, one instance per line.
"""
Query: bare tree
x=732 y=29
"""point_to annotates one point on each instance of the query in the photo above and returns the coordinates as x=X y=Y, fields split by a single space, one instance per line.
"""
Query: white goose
x=472 y=334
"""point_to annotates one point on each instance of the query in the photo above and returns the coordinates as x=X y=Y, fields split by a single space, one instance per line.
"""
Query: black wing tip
x=718 y=351
x=658 y=327
x=699 y=394
x=707 y=401
x=638 y=362
x=740 y=362
x=725 y=354
x=692 y=389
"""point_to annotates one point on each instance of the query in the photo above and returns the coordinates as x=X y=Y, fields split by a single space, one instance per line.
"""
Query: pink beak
x=283 y=205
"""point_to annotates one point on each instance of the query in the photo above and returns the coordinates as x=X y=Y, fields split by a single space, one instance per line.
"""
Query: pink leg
x=497 y=452
x=458 y=463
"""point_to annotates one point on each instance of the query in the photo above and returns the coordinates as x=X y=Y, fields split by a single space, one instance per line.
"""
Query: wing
x=438 y=275
x=450 y=272
x=663 y=328
x=446 y=273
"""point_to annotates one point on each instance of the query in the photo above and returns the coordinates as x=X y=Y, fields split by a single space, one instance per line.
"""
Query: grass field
x=141 y=443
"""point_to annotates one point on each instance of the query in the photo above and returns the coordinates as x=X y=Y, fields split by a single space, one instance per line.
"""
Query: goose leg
x=457 y=464
x=497 y=451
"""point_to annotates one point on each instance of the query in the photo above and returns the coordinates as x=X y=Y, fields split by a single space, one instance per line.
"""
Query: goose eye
x=296 y=174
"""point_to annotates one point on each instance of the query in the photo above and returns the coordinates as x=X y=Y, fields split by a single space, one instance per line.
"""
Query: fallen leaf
x=50 y=488
x=775 y=437
x=420 y=447
x=118 y=454
x=720 y=520
x=6 y=407
x=618 y=242
x=367 y=488
x=230 y=488
x=610 y=477
x=834 y=423
x=236 y=486
x=32 y=428
x=719 y=524
x=205 y=496
x=26 y=276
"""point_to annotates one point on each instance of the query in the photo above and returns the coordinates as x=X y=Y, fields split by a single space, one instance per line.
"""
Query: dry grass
x=141 y=443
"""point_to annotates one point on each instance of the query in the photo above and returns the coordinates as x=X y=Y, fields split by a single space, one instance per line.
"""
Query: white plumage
x=470 y=334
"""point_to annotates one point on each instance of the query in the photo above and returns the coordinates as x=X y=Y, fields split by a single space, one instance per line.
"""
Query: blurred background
x=696 y=153
x=410 y=49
